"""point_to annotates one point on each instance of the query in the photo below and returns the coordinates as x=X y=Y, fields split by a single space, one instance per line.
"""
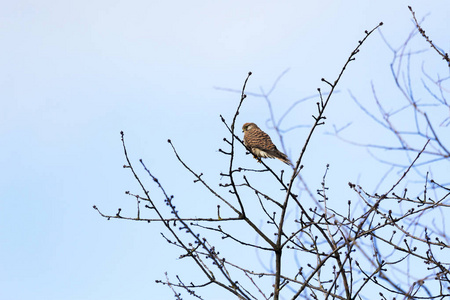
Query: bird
x=260 y=145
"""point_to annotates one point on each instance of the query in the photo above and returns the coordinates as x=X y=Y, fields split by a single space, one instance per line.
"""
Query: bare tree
x=385 y=241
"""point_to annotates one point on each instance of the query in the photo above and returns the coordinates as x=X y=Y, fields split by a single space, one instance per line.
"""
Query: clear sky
x=76 y=73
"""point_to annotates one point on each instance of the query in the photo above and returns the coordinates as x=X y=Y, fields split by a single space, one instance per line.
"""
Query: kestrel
x=260 y=144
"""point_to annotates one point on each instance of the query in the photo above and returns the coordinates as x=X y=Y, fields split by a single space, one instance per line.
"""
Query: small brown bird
x=260 y=144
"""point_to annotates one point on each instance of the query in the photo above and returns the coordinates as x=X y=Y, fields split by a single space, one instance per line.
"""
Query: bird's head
x=248 y=126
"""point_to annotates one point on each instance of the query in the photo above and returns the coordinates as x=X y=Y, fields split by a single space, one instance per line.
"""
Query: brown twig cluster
x=387 y=243
x=427 y=38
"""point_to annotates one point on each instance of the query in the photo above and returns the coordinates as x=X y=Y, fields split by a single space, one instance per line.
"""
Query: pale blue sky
x=76 y=73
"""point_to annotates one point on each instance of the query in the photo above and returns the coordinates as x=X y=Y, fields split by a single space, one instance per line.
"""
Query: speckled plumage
x=260 y=144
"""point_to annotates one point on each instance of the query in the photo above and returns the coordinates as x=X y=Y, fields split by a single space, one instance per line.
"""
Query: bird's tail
x=283 y=157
